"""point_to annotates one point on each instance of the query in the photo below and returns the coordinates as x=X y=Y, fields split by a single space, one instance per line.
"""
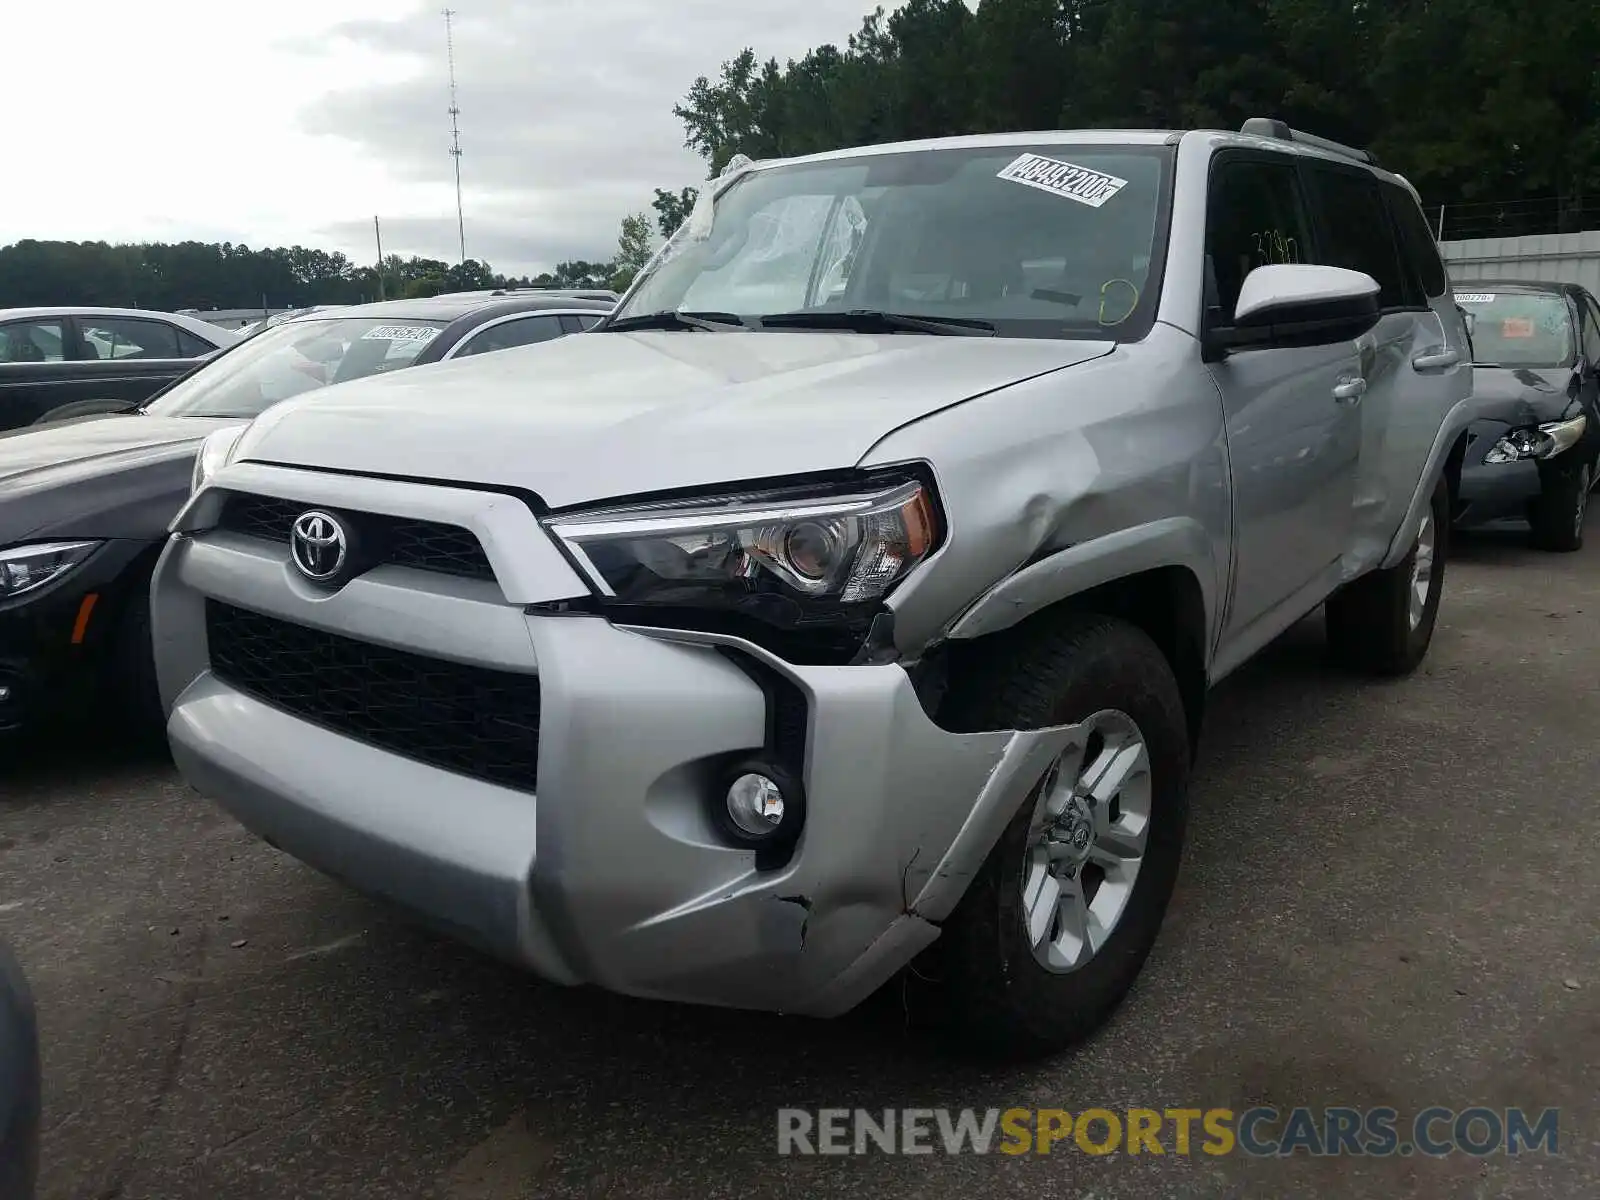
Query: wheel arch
x=1168 y=602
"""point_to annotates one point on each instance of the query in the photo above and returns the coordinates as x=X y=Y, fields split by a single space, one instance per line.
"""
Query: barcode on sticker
x=400 y=333
x=1474 y=297
x=1066 y=179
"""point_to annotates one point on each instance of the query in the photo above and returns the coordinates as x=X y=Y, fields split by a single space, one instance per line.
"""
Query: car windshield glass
x=296 y=357
x=1519 y=329
x=1046 y=241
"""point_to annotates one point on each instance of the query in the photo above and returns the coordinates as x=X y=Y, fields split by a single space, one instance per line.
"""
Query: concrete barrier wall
x=1554 y=257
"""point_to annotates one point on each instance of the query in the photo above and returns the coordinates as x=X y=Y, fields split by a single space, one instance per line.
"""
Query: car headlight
x=1544 y=441
x=23 y=568
x=787 y=556
x=215 y=453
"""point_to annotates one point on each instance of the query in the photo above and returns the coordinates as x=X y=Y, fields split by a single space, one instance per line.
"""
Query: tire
x=1372 y=624
x=138 y=693
x=981 y=984
x=1556 y=514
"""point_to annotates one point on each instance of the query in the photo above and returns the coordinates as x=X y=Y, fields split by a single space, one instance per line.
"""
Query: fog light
x=755 y=804
x=762 y=806
x=5 y=693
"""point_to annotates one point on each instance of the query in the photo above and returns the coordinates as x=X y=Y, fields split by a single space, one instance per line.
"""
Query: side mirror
x=1292 y=304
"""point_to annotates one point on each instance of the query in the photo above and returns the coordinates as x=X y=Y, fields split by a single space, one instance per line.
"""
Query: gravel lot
x=1389 y=892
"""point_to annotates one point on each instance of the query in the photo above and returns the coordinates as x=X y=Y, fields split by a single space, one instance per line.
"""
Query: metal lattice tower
x=455 y=126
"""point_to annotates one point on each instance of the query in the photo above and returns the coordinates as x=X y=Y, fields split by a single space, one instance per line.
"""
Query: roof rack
x=1269 y=127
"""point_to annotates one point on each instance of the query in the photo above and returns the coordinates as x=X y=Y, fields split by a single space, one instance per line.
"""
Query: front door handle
x=1350 y=390
x=1436 y=360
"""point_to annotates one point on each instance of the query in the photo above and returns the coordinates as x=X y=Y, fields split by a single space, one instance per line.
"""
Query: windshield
x=1520 y=329
x=1052 y=241
x=296 y=357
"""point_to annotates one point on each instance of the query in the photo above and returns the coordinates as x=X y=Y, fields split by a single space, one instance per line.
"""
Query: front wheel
x=1060 y=918
x=1557 y=513
x=1383 y=622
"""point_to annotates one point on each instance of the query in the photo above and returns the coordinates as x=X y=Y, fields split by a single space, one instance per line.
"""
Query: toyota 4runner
x=850 y=596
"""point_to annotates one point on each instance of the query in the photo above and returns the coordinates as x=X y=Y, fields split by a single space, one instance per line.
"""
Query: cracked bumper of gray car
x=610 y=872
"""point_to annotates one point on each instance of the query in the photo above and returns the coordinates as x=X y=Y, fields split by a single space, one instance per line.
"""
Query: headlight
x=23 y=568
x=1546 y=441
x=785 y=556
x=215 y=453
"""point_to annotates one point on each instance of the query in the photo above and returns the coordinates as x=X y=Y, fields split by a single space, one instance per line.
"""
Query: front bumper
x=611 y=871
x=54 y=642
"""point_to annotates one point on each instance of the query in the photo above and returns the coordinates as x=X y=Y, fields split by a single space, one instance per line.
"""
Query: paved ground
x=1388 y=891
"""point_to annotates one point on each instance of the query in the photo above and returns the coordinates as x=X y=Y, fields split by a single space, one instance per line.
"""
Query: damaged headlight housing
x=1542 y=441
x=23 y=568
x=785 y=556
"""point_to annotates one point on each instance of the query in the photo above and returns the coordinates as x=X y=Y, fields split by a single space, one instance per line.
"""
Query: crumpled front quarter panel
x=1130 y=441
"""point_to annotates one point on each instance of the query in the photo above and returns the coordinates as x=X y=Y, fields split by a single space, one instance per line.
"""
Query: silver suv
x=852 y=594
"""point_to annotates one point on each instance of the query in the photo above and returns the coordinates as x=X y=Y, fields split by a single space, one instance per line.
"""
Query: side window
x=1416 y=241
x=1255 y=217
x=1591 y=330
x=1357 y=234
x=523 y=332
x=577 y=323
x=31 y=341
x=190 y=346
x=129 y=337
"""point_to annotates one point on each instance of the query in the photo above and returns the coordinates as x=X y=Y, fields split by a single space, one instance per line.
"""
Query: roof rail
x=1270 y=127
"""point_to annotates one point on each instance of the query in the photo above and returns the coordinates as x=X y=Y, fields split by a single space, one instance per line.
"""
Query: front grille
x=470 y=720
x=401 y=541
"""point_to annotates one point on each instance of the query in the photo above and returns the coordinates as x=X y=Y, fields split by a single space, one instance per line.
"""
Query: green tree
x=1470 y=99
x=673 y=208
x=634 y=248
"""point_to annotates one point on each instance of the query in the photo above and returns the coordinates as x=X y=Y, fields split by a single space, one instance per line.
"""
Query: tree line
x=1491 y=110
x=208 y=275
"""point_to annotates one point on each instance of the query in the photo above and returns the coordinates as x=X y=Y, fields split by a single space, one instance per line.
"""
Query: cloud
x=566 y=115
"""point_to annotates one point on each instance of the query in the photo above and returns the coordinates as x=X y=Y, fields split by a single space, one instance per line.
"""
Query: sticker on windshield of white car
x=1059 y=178
x=1474 y=297
x=400 y=333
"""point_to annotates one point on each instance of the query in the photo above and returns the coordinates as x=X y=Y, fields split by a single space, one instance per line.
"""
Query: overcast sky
x=296 y=121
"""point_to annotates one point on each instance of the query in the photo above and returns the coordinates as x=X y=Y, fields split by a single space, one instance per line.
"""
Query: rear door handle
x=1350 y=390
x=1436 y=360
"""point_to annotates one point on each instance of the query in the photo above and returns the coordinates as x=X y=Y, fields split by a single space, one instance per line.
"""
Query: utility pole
x=455 y=126
x=378 y=233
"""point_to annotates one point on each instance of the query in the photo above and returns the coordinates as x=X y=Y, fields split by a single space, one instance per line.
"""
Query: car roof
x=1094 y=137
x=454 y=307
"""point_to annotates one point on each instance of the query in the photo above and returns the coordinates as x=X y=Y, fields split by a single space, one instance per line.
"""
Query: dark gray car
x=19 y=1083
x=1536 y=352
x=85 y=502
x=55 y=356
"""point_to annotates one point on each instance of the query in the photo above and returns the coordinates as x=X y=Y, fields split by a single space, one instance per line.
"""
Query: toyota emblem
x=319 y=546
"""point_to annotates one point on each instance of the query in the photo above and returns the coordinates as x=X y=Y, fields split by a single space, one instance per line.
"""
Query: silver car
x=851 y=595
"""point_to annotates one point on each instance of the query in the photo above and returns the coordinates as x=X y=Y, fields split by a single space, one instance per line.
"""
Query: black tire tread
x=966 y=986
x=1551 y=513
x=1366 y=621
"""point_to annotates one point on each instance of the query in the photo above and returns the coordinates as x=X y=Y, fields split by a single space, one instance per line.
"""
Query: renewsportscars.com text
x=1257 y=1132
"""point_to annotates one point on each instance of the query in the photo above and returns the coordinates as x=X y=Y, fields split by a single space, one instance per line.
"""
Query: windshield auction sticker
x=1063 y=179
x=1474 y=297
x=400 y=333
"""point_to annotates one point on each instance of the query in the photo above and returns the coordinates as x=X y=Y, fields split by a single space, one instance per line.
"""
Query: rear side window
x=190 y=346
x=1357 y=234
x=1416 y=240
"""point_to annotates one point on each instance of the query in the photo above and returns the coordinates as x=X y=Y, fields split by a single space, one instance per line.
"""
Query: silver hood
x=599 y=415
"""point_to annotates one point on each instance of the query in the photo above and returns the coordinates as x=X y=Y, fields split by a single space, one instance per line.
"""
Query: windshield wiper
x=870 y=320
x=668 y=318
